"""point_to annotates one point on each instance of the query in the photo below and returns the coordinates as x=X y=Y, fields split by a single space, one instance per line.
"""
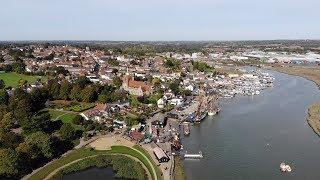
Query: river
x=252 y=135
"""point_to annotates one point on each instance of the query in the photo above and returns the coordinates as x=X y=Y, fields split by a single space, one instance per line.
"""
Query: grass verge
x=143 y=151
x=178 y=172
x=87 y=152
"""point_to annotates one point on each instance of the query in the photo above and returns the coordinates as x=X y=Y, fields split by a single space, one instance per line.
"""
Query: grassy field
x=178 y=169
x=64 y=117
x=310 y=73
x=87 y=152
x=314 y=117
x=12 y=78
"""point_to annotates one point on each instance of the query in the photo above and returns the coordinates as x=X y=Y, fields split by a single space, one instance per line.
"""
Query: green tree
x=38 y=98
x=75 y=93
x=4 y=97
x=82 y=81
x=67 y=132
x=2 y=84
x=37 y=145
x=54 y=88
x=78 y=120
x=88 y=94
x=175 y=87
x=117 y=81
x=39 y=122
x=65 y=90
x=7 y=121
x=22 y=110
x=9 y=139
x=10 y=163
x=3 y=110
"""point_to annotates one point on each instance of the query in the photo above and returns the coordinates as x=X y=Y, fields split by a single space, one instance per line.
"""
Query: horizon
x=142 y=20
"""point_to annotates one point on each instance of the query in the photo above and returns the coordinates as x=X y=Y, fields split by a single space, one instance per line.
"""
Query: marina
x=253 y=134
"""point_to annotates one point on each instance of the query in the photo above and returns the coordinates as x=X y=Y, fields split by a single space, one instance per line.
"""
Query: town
x=57 y=98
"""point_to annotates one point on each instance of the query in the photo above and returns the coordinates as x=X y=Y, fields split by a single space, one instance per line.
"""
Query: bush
x=78 y=120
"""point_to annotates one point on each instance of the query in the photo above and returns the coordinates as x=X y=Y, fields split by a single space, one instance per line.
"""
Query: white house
x=190 y=87
x=161 y=103
x=176 y=101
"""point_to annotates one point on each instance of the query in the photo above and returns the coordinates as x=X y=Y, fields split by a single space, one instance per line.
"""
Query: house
x=137 y=88
x=92 y=114
x=189 y=87
x=160 y=155
x=176 y=101
x=161 y=103
x=118 y=123
x=136 y=136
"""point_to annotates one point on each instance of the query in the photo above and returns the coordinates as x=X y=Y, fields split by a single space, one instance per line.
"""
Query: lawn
x=64 y=117
x=12 y=78
x=87 y=152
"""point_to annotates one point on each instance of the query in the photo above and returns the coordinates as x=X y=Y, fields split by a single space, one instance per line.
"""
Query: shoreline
x=178 y=169
x=311 y=118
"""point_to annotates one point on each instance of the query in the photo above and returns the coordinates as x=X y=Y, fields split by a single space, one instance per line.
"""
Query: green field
x=12 y=78
x=64 y=117
x=87 y=152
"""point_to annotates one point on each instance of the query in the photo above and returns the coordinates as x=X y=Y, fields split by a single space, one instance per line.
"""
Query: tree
x=22 y=82
x=9 y=139
x=4 y=97
x=82 y=81
x=78 y=119
x=7 y=121
x=117 y=81
x=54 y=88
x=88 y=94
x=174 y=86
x=65 y=90
x=67 y=132
x=10 y=163
x=37 y=145
x=3 y=110
x=2 y=84
x=74 y=94
x=38 y=98
x=22 y=110
x=39 y=122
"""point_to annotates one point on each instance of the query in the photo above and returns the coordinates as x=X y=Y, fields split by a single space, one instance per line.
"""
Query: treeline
x=28 y=137
x=84 y=90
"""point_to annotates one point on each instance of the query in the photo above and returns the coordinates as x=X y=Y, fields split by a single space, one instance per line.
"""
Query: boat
x=193 y=156
x=186 y=129
x=285 y=167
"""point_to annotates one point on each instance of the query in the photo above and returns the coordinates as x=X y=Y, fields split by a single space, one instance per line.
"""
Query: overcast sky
x=159 y=19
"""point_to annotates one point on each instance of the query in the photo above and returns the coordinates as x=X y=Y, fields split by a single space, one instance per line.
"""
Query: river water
x=252 y=135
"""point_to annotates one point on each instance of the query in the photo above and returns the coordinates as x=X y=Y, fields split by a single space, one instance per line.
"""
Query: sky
x=159 y=20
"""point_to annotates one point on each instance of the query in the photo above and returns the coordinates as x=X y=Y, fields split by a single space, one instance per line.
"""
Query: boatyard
x=166 y=128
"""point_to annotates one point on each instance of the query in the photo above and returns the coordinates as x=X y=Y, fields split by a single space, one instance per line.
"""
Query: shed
x=160 y=155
